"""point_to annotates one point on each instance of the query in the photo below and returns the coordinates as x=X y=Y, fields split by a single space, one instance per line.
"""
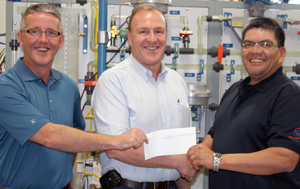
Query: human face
x=261 y=63
x=39 y=51
x=147 y=38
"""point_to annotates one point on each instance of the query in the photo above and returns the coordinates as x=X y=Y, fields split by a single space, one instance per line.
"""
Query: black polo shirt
x=251 y=118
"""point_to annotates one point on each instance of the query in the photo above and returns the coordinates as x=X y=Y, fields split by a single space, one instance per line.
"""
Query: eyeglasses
x=266 y=45
x=38 y=32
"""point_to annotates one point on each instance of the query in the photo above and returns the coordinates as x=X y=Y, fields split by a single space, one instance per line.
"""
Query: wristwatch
x=217 y=160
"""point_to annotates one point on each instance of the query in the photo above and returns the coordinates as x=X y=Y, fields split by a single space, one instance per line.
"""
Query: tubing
x=102 y=22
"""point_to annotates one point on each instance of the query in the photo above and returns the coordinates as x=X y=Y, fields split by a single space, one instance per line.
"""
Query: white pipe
x=14 y=54
x=93 y=44
x=185 y=20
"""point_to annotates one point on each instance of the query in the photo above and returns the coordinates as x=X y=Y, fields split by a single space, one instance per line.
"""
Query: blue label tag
x=295 y=78
x=228 y=45
x=175 y=38
x=174 y=12
x=189 y=74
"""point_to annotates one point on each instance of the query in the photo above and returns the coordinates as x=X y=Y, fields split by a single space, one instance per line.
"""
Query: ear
x=128 y=37
x=282 y=52
x=20 y=38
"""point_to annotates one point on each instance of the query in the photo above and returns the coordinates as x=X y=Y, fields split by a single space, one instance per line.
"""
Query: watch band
x=217 y=160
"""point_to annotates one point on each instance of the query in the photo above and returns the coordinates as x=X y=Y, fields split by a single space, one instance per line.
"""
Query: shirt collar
x=144 y=72
x=263 y=86
x=27 y=75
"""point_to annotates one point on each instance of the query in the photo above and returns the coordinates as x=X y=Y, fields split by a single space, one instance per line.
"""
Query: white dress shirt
x=127 y=96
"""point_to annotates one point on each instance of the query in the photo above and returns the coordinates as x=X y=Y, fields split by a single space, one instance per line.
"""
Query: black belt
x=149 y=185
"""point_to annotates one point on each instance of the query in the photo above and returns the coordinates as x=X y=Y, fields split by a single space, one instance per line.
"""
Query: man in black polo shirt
x=255 y=139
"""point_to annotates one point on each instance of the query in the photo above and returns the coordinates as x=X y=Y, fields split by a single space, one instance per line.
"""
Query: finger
x=196 y=167
x=193 y=158
x=139 y=142
x=142 y=136
x=146 y=139
x=136 y=145
x=190 y=152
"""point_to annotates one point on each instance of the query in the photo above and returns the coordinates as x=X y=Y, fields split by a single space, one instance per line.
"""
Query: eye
x=159 y=32
x=142 y=32
x=34 y=31
x=266 y=44
x=248 y=44
x=51 y=33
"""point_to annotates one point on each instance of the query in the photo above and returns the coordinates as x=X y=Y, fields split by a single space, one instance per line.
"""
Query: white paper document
x=169 y=142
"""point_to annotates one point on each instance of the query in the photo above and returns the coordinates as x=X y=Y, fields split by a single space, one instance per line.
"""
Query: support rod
x=102 y=26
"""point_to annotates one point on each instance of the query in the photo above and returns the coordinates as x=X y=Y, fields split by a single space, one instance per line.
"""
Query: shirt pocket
x=181 y=114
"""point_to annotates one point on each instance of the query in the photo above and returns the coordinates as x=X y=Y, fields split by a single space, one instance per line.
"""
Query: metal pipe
x=102 y=25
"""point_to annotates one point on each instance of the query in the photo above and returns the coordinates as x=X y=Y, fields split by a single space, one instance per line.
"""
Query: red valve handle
x=90 y=83
x=185 y=32
x=220 y=53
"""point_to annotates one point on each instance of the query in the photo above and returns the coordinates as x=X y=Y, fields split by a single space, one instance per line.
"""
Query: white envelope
x=169 y=142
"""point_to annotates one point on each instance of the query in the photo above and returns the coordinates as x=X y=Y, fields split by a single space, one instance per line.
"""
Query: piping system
x=102 y=36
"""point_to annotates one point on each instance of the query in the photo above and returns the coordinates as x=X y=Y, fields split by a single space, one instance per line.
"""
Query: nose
x=43 y=37
x=256 y=45
x=256 y=48
x=152 y=37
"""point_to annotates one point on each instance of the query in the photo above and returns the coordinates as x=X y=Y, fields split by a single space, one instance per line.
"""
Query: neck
x=42 y=72
x=155 y=69
x=156 y=73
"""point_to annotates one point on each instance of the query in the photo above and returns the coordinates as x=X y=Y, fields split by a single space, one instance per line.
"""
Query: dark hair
x=268 y=24
x=47 y=8
x=145 y=7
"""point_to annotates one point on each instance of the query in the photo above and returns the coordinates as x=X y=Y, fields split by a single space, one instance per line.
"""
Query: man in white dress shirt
x=142 y=92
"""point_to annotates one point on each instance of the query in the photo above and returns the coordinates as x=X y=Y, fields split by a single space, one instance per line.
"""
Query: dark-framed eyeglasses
x=38 y=32
x=246 y=45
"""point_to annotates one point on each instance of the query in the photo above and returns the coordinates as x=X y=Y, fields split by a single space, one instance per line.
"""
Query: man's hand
x=185 y=168
x=201 y=156
x=132 y=138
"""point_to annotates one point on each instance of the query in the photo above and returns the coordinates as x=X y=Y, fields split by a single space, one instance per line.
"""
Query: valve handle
x=90 y=83
x=220 y=53
x=185 y=32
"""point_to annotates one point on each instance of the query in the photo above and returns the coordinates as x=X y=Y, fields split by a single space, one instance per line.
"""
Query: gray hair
x=47 y=8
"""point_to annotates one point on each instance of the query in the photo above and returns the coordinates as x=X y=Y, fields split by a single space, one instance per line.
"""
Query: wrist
x=217 y=160
x=177 y=161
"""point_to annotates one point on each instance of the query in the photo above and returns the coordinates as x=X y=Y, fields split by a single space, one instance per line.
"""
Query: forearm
x=69 y=139
x=136 y=157
x=183 y=184
x=266 y=162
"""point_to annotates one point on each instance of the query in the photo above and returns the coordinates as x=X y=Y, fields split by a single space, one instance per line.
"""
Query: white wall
x=2 y=22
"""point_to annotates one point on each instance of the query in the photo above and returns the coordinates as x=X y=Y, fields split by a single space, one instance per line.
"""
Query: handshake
x=197 y=157
x=163 y=145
